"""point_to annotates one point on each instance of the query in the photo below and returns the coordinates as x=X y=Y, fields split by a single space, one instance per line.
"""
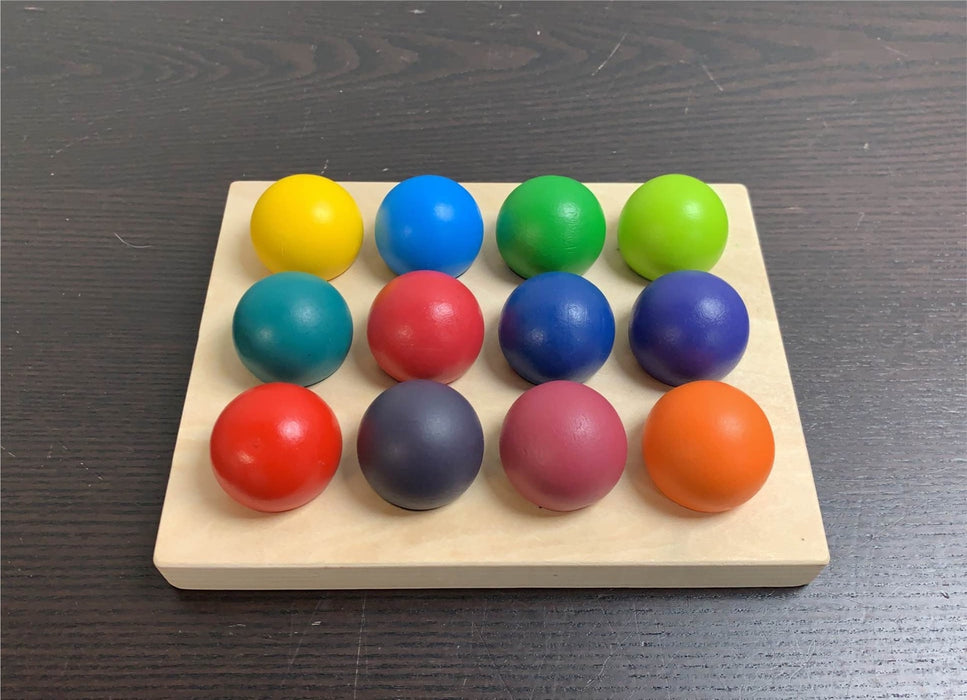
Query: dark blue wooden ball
x=420 y=444
x=556 y=325
x=688 y=325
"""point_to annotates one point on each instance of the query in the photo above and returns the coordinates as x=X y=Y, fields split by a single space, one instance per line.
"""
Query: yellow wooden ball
x=307 y=223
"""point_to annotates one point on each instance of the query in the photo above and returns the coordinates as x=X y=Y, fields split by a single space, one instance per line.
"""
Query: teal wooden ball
x=292 y=327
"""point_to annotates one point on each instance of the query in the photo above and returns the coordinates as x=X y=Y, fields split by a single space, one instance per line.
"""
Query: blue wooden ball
x=688 y=325
x=556 y=325
x=420 y=444
x=292 y=327
x=429 y=222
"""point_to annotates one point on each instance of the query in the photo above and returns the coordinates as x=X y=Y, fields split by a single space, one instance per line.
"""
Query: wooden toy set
x=429 y=384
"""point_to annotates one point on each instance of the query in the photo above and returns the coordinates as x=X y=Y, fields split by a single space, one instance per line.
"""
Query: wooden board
x=490 y=537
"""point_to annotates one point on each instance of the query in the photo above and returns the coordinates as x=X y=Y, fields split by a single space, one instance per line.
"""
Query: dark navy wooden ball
x=420 y=444
x=556 y=326
x=688 y=325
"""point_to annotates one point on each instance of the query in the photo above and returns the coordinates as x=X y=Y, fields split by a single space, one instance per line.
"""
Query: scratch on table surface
x=33 y=8
x=544 y=655
x=417 y=12
x=359 y=643
x=818 y=135
x=805 y=661
x=859 y=221
x=711 y=77
x=894 y=522
x=131 y=245
x=600 y=672
x=308 y=113
x=490 y=657
x=896 y=51
x=295 y=654
x=325 y=167
x=607 y=620
x=610 y=55
x=298 y=647
x=305 y=121
x=69 y=144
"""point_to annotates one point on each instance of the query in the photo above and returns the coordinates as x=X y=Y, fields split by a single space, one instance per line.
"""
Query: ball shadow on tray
x=349 y=470
x=626 y=358
x=492 y=474
x=494 y=262
x=494 y=358
x=214 y=497
x=229 y=364
x=612 y=257
x=250 y=262
x=636 y=471
x=359 y=489
x=362 y=358
x=371 y=260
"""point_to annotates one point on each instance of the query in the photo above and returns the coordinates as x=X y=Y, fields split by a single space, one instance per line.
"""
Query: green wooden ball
x=672 y=222
x=549 y=224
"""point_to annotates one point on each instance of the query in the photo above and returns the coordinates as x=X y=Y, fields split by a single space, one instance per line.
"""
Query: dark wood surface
x=122 y=127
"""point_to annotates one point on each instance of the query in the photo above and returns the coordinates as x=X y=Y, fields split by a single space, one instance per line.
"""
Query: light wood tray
x=490 y=537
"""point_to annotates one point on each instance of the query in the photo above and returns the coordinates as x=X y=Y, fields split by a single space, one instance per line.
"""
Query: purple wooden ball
x=688 y=325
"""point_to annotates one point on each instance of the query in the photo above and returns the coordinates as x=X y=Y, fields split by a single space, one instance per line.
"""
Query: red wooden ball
x=425 y=325
x=275 y=447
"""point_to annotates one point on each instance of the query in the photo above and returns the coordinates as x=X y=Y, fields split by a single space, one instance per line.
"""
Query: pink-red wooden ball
x=562 y=446
x=425 y=325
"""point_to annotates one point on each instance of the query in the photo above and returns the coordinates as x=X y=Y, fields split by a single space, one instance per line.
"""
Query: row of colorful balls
x=418 y=442
x=685 y=326
x=420 y=445
x=549 y=223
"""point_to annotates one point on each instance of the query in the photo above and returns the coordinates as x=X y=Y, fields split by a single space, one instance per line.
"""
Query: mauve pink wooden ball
x=563 y=446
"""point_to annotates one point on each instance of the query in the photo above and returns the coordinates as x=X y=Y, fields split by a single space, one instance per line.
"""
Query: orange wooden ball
x=708 y=446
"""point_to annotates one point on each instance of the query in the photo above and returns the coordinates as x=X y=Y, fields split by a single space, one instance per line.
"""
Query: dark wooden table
x=122 y=126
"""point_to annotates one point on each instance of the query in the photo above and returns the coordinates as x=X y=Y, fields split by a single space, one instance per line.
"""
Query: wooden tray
x=490 y=537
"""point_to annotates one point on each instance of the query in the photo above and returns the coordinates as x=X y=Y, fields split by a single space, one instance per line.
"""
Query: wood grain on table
x=122 y=126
